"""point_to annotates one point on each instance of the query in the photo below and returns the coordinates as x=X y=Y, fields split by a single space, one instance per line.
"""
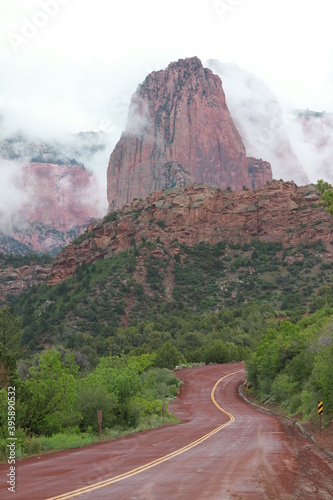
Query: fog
x=72 y=66
x=299 y=150
x=81 y=111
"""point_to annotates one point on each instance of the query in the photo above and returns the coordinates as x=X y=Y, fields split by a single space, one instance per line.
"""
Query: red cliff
x=178 y=117
x=278 y=212
x=54 y=204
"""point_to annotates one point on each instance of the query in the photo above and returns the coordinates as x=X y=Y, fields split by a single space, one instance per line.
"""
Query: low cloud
x=13 y=196
x=261 y=121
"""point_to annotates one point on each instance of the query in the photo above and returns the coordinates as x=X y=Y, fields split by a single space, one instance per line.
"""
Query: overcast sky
x=66 y=63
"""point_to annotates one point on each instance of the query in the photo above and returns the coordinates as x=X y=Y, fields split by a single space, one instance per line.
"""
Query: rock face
x=53 y=204
x=14 y=280
x=260 y=172
x=61 y=195
x=177 y=116
x=278 y=212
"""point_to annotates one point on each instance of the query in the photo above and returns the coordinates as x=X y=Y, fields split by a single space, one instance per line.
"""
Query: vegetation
x=326 y=195
x=293 y=364
x=10 y=346
x=108 y=337
x=56 y=399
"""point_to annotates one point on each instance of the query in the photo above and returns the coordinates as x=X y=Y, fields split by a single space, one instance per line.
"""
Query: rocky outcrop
x=177 y=116
x=260 y=172
x=278 y=212
x=15 y=280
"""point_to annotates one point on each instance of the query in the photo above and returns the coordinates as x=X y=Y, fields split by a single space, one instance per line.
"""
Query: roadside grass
x=39 y=445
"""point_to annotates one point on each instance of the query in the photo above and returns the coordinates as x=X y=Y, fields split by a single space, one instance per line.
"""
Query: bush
x=167 y=356
x=92 y=398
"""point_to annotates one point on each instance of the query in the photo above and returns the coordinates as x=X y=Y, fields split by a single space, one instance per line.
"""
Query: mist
x=81 y=110
x=13 y=196
x=273 y=131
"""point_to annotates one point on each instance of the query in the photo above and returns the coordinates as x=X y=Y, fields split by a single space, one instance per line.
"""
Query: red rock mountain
x=179 y=130
x=61 y=195
x=278 y=212
x=56 y=203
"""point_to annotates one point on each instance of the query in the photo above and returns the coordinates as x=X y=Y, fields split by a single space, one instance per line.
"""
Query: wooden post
x=99 y=417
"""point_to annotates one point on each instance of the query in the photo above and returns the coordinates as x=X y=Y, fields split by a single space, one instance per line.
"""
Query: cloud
x=297 y=150
x=312 y=134
x=13 y=196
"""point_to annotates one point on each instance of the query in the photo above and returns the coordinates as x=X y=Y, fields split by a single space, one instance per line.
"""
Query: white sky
x=66 y=63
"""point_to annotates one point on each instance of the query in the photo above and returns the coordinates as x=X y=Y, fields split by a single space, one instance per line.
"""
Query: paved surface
x=224 y=449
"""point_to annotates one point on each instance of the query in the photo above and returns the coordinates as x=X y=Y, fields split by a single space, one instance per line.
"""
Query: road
x=223 y=449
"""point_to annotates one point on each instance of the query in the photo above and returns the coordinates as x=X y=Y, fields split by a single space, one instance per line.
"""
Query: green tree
x=10 y=345
x=323 y=374
x=92 y=398
x=49 y=394
x=120 y=377
x=326 y=195
x=215 y=352
x=167 y=356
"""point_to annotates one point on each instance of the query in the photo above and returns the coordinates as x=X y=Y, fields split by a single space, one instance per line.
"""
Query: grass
x=39 y=445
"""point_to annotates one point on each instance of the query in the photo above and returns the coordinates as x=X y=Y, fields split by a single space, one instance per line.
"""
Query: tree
x=326 y=195
x=323 y=374
x=10 y=345
x=215 y=352
x=92 y=398
x=167 y=356
x=49 y=393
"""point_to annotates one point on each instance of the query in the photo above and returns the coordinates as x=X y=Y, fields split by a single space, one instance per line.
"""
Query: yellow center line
x=138 y=470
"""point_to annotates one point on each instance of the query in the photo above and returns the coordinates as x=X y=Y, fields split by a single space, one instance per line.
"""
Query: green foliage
x=24 y=260
x=326 y=195
x=87 y=312
x=10 y=345
x=125 y=322
x=167 y=356
x=83 y=237
x=111 y=217
x=159 y=382
x=90 y=399
x=3 y=414
x=322 y=374
x=49 y=393
x=294 y=363
x=215 y=352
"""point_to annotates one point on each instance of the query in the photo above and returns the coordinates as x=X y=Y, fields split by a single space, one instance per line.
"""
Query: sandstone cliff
x=278 y=212
x=51 y=204
x=14 y=280
x=178 y=115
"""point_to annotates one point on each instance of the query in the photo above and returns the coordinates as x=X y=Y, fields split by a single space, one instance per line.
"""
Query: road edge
x=284 y=417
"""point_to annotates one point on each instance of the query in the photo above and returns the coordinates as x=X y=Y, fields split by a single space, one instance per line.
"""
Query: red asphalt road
x=254 y=456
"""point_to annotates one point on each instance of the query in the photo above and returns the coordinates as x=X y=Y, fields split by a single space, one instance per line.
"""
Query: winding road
x=223 y=449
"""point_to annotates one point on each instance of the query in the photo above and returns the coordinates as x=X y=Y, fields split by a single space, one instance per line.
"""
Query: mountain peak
x=177 y=116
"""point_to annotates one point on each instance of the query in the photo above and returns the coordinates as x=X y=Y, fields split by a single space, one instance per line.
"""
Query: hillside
x=194 y=249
